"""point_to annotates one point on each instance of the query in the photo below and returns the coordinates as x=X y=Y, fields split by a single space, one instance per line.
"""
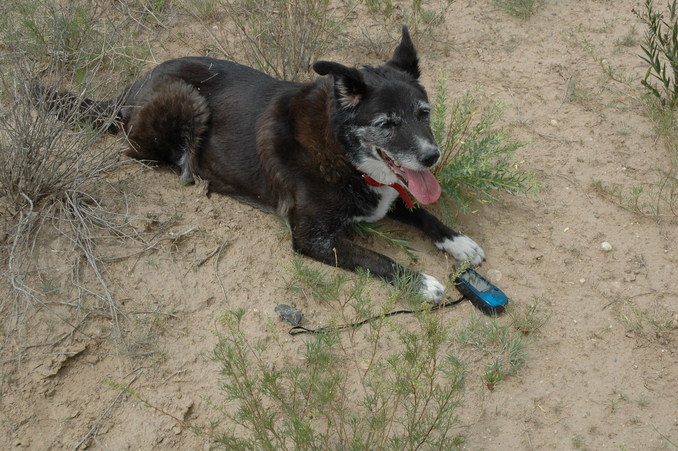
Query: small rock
x=494 y=275
x=607 y=247
x=289 y=314
x=21 y=443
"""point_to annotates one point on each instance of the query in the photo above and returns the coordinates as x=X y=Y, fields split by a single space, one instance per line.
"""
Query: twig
x=210 y=255
x=675 y=445
x=216 y=268
x=174 y=374
x=35 y=356
x=567 y=93
x=97 y=423
x=555 y=138
x=575 y=185
x=628 y=298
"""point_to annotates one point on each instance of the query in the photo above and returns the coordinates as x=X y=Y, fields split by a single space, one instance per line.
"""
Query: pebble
x=494 y=275
x=607 y=247
x=289 y=314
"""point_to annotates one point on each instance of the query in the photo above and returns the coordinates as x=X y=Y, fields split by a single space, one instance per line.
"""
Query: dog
x=355 y=145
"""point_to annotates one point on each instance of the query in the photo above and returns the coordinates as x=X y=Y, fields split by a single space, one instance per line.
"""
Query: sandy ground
x=600 y=374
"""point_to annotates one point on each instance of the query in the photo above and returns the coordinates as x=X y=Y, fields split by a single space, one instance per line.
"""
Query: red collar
x=396 y=186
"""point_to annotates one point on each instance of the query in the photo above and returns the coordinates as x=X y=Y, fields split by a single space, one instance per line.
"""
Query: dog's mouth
x=422 y=184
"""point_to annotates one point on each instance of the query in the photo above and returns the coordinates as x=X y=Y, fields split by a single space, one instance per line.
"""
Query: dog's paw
x=430 y=289
x=462 y=248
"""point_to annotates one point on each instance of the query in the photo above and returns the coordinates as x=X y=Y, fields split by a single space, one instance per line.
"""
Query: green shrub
x=406 y=400
x=477 y=155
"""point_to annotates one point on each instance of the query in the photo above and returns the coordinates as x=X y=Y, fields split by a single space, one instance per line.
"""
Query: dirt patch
x=600 y=374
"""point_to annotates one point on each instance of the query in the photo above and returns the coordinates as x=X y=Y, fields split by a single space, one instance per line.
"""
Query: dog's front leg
x=344 y=253
x=459 y=246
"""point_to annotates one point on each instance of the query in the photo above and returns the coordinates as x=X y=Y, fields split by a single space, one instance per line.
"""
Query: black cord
x=297 y=330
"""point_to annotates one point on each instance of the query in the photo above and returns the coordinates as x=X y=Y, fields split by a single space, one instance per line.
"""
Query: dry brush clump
x=53 y=198
x=284 y=38
x=60 y=208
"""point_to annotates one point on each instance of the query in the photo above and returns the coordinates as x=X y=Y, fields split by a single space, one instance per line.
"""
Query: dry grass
x=283 y=38
x=49 y=186
x=60 y=208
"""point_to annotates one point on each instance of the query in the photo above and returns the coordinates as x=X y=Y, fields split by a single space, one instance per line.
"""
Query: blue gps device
x=485 y=296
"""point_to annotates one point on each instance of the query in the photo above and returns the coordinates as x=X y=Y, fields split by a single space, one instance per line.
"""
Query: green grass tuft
x=523 y=9
x=502 y=344
x=388 y=236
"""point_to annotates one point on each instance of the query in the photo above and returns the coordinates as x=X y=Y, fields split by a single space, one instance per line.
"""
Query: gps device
x=485 y=296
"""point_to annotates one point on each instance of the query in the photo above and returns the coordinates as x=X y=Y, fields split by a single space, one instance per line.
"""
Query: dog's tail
x=166 y=123
x=71 y=107
x=169 y=125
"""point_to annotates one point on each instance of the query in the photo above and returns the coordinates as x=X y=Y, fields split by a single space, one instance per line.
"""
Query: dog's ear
x=405 y=56
x=349 y=86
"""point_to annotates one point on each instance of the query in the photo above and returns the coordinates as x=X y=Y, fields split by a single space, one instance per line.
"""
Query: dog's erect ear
x=349 y=86
x=405 y=56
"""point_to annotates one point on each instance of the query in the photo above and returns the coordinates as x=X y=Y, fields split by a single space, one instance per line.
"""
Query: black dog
x=322 y=154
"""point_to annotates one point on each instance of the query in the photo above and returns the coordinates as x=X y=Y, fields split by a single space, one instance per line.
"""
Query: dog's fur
x=300 y=150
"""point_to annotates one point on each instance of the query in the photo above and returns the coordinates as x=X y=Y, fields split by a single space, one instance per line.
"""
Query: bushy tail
x=169 y=125
x=72 y=108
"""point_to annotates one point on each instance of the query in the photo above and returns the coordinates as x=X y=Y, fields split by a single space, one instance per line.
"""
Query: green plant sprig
x=366 y=229
x=660 y=52
x=477 y=160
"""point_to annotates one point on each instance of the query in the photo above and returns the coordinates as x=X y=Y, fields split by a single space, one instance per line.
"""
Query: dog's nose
x=430 y=157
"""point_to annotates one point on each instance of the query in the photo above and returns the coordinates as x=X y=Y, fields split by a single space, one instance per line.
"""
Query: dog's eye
x=424 y=114
x=388 y=122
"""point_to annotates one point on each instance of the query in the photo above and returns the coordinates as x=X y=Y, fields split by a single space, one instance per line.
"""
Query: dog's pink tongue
x=423 y=186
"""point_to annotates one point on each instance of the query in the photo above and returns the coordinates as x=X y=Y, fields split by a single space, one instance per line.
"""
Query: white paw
x=462 y=248
x=430 y=289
